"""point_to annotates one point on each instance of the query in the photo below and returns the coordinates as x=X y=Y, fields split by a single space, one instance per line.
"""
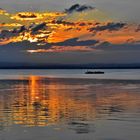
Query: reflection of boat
x=94 y=72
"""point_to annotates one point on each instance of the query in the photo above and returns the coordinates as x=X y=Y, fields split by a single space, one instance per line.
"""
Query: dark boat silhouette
x=94 y=72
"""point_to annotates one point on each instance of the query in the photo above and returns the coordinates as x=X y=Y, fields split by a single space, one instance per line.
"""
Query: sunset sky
x=69 y=31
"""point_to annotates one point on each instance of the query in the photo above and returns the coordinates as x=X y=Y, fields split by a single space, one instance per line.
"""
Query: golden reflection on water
x=40 y=102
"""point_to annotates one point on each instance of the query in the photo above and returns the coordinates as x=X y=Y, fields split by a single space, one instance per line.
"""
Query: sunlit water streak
x=39 y=107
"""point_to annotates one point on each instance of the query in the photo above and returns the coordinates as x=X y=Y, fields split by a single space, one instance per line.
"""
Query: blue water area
x=67 y=104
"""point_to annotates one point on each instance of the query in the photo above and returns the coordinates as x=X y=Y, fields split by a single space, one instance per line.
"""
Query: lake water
x=69 y=105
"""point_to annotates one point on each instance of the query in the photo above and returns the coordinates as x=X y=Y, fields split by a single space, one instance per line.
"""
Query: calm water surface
x=62 y=105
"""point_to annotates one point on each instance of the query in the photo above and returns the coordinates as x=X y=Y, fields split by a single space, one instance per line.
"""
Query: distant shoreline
x=8 y=65
x=68 y=68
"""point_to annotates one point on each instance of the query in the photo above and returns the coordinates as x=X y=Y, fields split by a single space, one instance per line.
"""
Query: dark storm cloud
x=106 y=46
x=11 y=33
x=109 y=54
x=61 y=21
x=109 y=26
x=22 y=29
x=39 y=27
x=78 y=8
x=69 y=42
x=34 y=28
x=75 y=42
x=7 y=34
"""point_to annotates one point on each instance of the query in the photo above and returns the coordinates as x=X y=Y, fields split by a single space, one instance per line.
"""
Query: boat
x=94 y=72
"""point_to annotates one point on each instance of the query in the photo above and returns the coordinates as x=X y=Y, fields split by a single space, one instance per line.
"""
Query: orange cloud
x=10 y=24
x=35 y=16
